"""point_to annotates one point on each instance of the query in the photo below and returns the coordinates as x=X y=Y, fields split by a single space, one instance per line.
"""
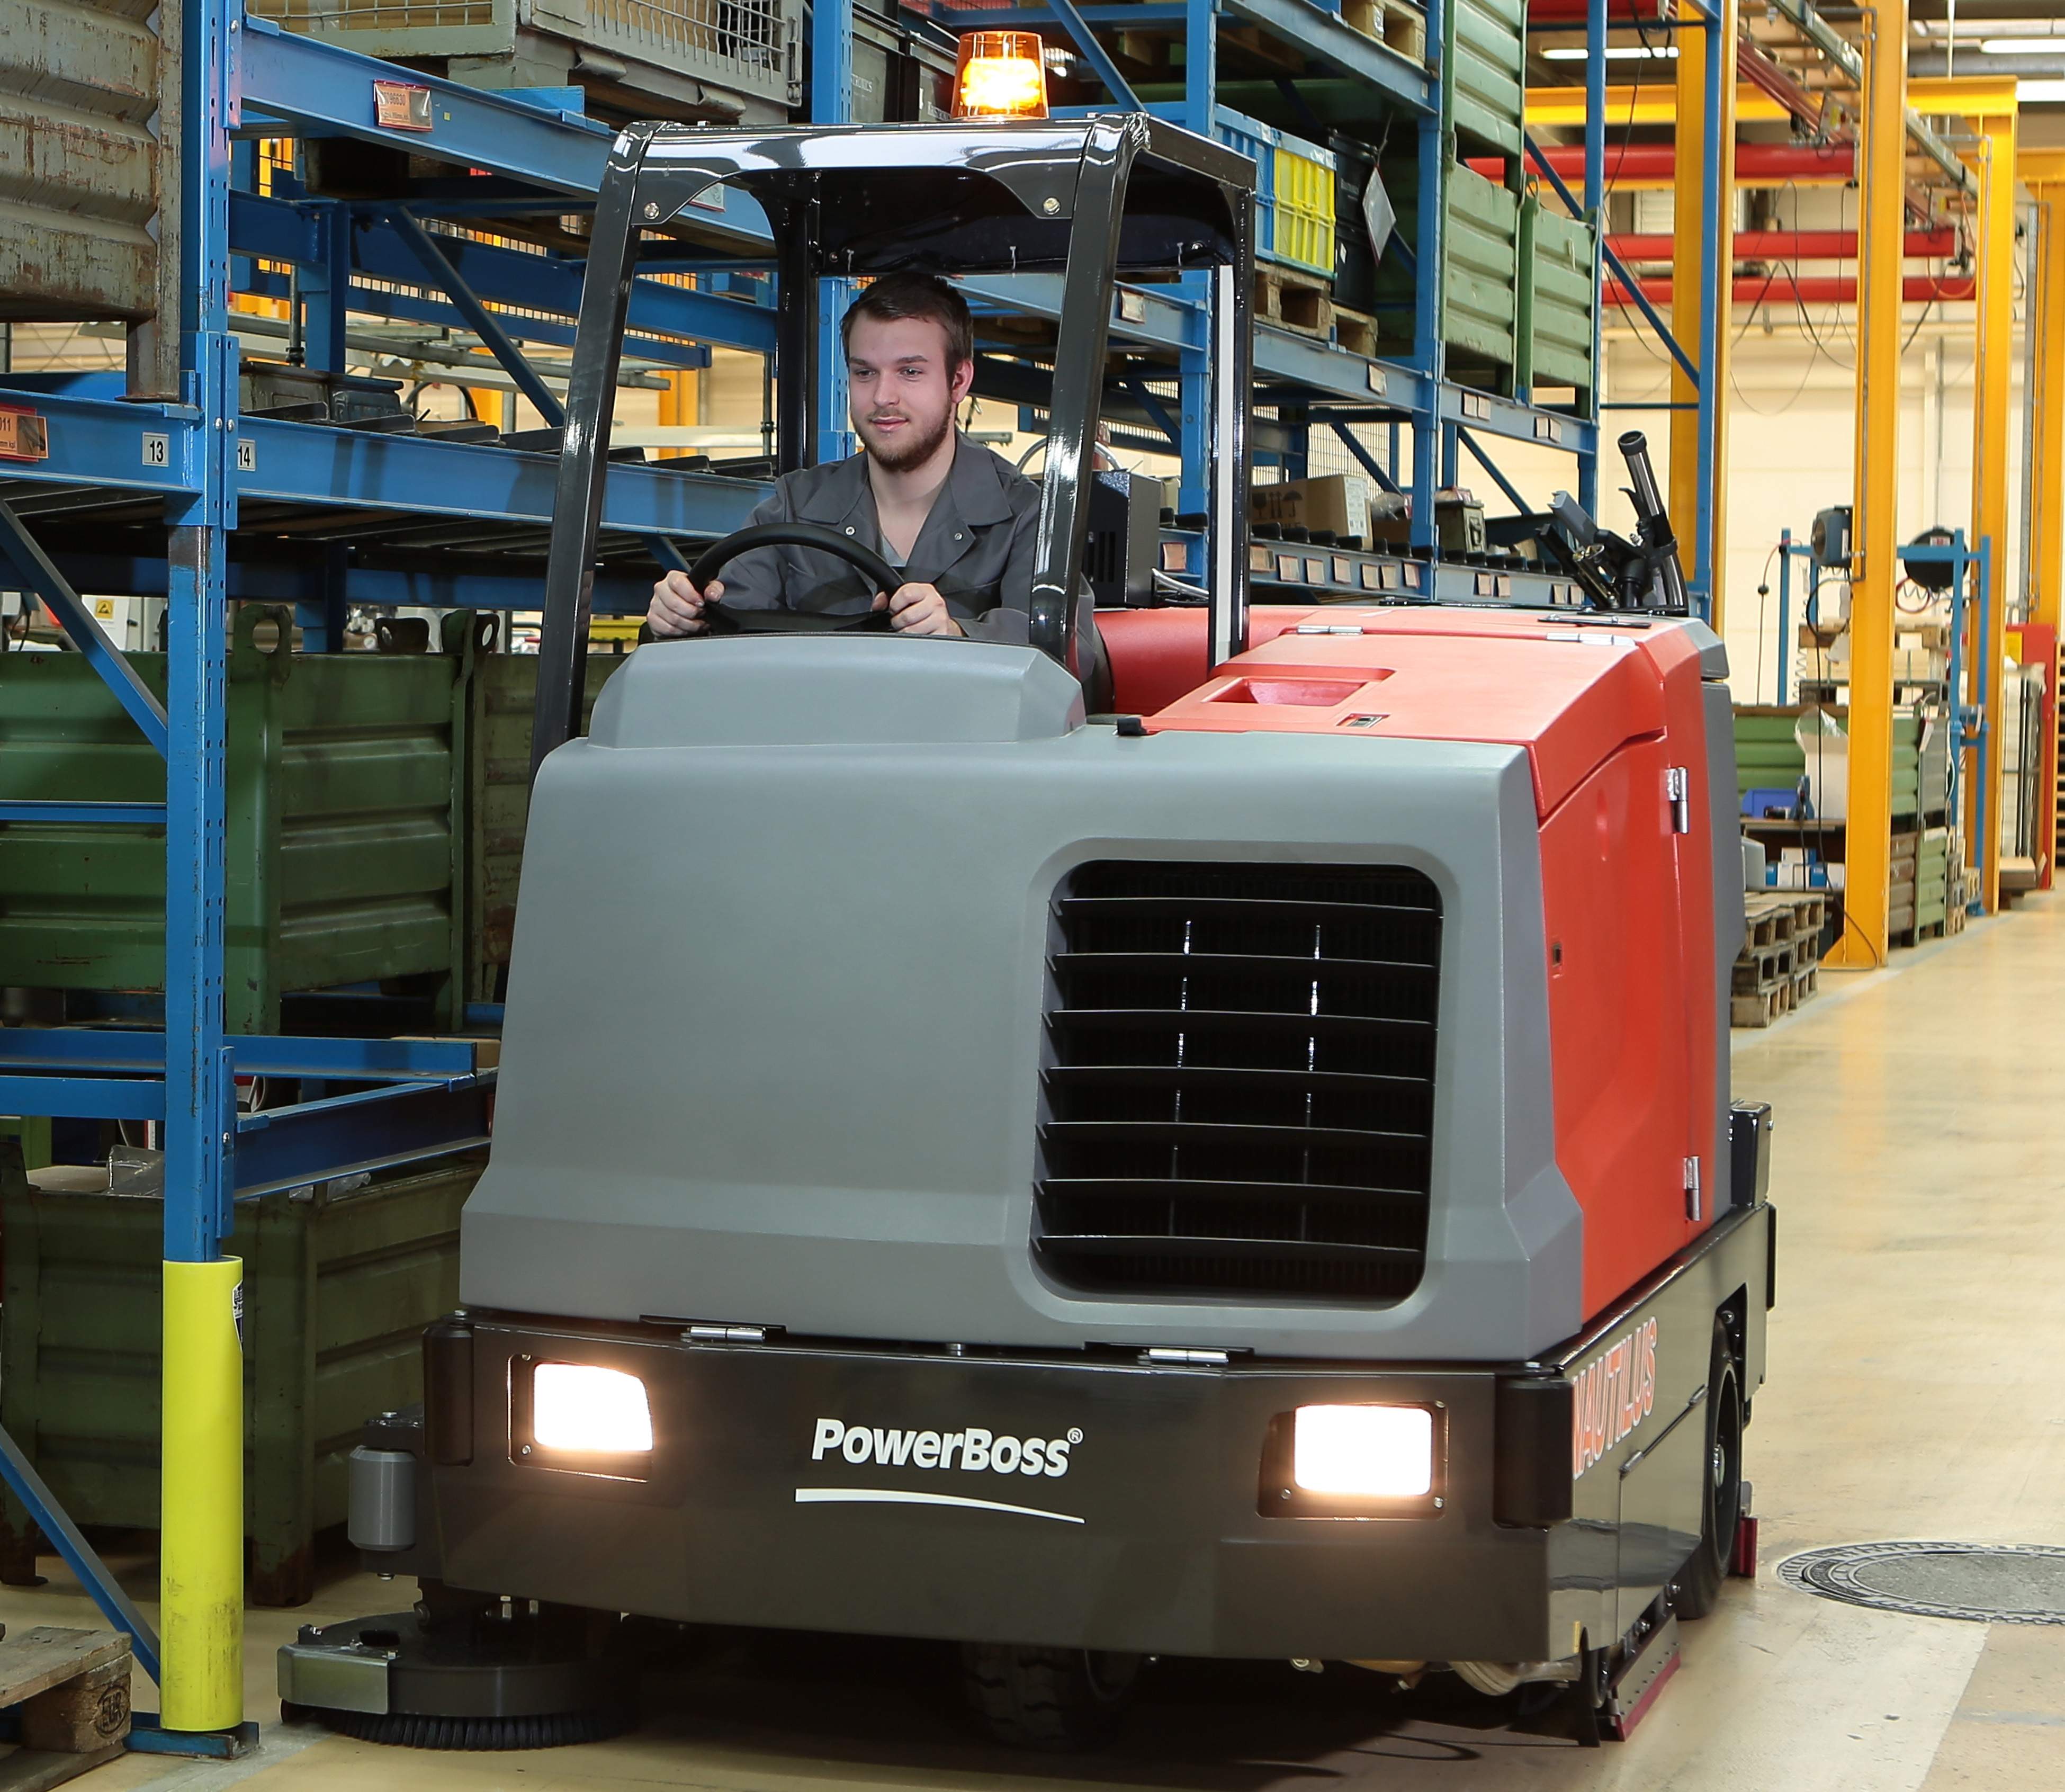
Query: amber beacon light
x=1000 y=75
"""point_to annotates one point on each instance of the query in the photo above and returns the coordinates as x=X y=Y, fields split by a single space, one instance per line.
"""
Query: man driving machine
x=954 y=520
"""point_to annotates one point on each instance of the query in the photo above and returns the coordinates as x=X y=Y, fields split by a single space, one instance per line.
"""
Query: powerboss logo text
x=1616 y=1392
x=974 y=1450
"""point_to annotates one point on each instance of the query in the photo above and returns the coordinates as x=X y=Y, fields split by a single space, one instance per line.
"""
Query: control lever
x=1659 y=545
x=1617 y=573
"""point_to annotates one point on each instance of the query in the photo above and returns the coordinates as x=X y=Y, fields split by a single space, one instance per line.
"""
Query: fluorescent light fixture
x=1365 y=1452
x=2038 y=93
x=2024 y=46
x=579 y=1406
x=1615 y=53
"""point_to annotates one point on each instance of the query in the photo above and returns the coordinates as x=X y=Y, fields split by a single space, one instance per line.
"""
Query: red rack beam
x=1831 y=289
x=1786 y=245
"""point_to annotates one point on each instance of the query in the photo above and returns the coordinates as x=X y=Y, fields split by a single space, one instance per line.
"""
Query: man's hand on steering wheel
x=677 y=606
x=918 y=609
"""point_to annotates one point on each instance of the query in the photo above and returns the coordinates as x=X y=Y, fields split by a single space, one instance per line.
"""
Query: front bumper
x=1161 y=1532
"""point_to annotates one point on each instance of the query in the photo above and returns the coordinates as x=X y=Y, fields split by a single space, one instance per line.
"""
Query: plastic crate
x=1293 y=192
x=1304 y=205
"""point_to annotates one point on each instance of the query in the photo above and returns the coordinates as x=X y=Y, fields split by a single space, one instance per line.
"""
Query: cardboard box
x=1338 y=502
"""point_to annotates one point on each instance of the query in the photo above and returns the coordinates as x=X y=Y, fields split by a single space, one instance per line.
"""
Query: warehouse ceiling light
x=2024 y=46
x=1000 y=75
x=1615 y=53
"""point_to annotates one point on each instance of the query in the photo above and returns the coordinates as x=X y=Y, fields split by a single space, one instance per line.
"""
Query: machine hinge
x=726 y=1334
x=1678 y=790
x=1695 y=1206
x=1162 y=1355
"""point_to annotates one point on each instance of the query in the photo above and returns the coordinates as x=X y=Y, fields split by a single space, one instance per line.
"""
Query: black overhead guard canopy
x=1093 y=199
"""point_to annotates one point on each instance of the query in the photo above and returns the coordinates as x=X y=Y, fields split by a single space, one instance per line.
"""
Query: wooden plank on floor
x=34 y=1660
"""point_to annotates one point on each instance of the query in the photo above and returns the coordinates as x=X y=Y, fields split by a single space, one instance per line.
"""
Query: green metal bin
x=1558 y=277
x=345 y=794
x=338 y=1289
x=1484 y=96
x=1479 y=277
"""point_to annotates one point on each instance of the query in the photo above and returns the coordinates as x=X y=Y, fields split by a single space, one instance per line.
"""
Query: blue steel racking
x=189 y=499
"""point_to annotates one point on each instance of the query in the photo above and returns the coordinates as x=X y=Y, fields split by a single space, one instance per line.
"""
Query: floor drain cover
x=1987 y=1582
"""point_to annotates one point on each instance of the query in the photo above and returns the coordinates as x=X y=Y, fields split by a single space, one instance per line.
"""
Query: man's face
x=901 y=397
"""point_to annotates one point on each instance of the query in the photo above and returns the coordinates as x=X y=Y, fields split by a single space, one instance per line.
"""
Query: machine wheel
x=1700 y=1580
x=1055 y=1700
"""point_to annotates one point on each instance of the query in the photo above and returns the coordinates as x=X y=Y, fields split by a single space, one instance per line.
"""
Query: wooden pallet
x=1402 y=26
x=1758 y=968
x=1770 y=915
x=1762 y=1007
x=1291 y=299
x=1779 y=966
x=1776 y=999
x=1355 y=331
x=69 y=1689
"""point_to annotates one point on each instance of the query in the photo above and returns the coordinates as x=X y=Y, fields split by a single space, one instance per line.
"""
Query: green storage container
x=1480 y=285
x=338 y=1289
x=344 y=797
x=1768 y=757
x=1479 y=288
x=504 y=697
x=1558 y=269
x=1485 y=58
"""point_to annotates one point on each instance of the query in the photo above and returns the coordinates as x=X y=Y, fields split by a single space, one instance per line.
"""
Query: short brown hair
x=910 y=294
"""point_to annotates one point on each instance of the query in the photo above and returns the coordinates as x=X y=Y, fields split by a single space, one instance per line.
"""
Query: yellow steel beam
x=1991 y=422
x=1647 y=104
x=1875 y=570
x=1973 y=96
x=2045 y=177
x=1987 y=105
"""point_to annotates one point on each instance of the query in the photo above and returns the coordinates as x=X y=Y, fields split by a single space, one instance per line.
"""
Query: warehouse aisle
x=1914 y=1393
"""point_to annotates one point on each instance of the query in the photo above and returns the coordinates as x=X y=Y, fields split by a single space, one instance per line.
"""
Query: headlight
x=579 y=1406
x=1363 y=1452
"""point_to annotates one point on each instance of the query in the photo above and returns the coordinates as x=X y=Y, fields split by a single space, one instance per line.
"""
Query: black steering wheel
x=724 y=620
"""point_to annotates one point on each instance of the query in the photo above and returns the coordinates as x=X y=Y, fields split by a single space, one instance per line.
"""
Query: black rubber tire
x=1699 y=1581
x=407 y=1731
x=1055 y=1701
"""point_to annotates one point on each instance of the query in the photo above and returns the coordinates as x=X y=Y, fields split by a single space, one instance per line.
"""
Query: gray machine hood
x=774 y=1028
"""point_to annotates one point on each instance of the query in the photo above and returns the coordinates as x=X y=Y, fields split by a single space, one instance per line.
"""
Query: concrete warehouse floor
x=1914 y=1393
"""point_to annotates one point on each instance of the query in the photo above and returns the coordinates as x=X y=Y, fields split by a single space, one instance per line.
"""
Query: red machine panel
x=1604 y=713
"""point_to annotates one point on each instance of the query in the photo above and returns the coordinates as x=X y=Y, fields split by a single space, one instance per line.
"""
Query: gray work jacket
x=975 y=548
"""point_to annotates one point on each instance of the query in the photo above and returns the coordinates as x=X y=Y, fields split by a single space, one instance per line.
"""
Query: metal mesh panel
x=747 y=31
x=375 y=15
x=716 y=36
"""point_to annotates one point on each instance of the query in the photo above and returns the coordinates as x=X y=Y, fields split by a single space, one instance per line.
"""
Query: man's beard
x=913 y=453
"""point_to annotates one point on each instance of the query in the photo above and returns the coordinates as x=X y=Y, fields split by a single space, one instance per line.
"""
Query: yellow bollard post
x=201 y=1523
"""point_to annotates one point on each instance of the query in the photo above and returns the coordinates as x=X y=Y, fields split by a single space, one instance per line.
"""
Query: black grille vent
x=1239 y=1097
